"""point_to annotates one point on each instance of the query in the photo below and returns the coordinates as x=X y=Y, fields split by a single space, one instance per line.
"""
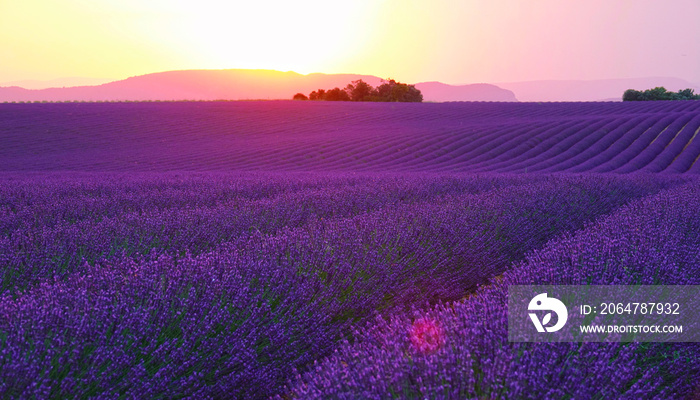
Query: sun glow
x=80 y=37
x=302 y=36
x=453 y=41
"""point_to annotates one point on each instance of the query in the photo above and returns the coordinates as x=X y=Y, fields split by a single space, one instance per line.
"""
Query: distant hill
x=437 y=91
x=56 y=83
x=237 y=84
x=594 y=90
x=246 y=84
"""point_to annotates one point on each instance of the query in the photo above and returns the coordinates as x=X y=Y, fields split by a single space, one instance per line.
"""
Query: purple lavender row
x=686 y=160
x=302 y=137
x=624 y=157
x=28 y=200
x=572 y=147
x=460 y=349
x=516 y=144
x=44 y=199
x=606 y=151
x=663 y=150
x=547 y=147
x=236 y=322
x=586 y=158
x=174 y=219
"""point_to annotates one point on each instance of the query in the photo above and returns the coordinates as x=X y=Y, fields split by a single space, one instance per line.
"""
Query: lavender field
x=327 y=250
x=355 y=137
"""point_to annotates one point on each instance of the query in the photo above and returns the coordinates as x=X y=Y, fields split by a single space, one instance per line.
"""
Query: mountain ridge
x=236 y=84
x=265 y=84
x=590 y=90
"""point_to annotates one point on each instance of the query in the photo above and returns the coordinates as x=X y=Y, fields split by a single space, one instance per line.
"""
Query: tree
x=359 y=90
x=337 y=94
x=632 y=95
x=319 y=94
x=383 y=91
x=396 y=91
x=300 y=96
x=659 y=93
x=406 y=93
x=688 y=94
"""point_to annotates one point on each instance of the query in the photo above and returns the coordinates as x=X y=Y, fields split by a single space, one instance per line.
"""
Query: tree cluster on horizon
x=359 y=90
x=659 y=93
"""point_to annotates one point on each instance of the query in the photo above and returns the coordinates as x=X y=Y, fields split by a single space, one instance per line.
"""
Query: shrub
x=360 y=90
x=659 y=93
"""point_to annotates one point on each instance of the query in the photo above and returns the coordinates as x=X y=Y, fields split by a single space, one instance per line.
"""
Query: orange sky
x=454 y=41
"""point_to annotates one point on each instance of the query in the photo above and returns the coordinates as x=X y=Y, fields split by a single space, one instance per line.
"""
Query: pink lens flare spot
x=426 y=335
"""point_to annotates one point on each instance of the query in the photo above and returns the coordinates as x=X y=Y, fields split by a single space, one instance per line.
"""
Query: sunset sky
x=453 y=41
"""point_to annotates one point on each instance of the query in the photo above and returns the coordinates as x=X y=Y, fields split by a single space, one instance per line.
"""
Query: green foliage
x=319 y=94
x=359 y=90
x=632 y=95
x=396 y=91
x=300 y=96
x=659 y=93
x=688 y=94
x=337 y=94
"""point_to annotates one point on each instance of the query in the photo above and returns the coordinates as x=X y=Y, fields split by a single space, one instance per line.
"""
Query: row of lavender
x=347 y=136
x=232 y=313
x=461 y=349
x=51 y=225
x=649 y=144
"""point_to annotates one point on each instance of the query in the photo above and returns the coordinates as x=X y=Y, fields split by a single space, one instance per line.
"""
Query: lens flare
x=426 y=335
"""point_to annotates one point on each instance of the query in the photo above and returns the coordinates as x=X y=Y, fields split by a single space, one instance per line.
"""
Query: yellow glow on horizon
x=453 y=41
x=110 y=38
x=305 y=36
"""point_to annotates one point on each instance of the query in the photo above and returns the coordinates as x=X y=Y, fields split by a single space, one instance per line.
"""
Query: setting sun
x=452 y=41
x=305 y=36
x=111 y=39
